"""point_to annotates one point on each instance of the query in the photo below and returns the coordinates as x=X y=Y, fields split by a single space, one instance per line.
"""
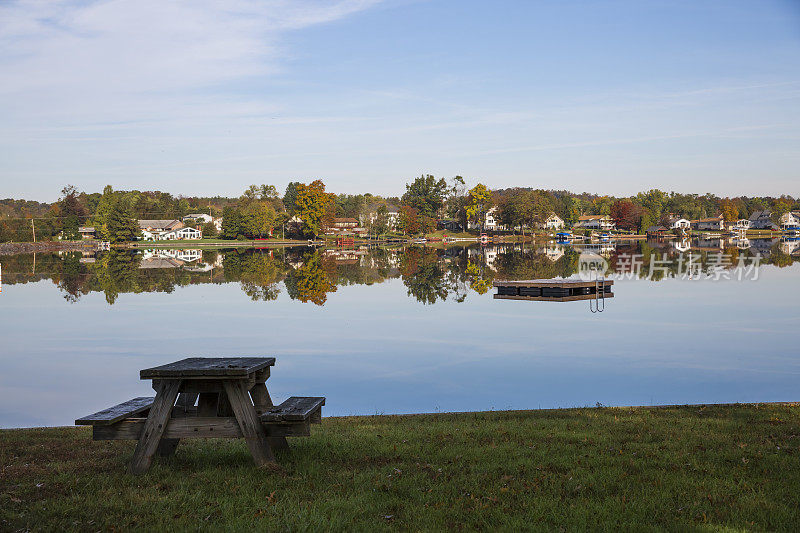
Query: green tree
x=258 y=219
x=122 y=227
x=426 y=194
x=290 y=197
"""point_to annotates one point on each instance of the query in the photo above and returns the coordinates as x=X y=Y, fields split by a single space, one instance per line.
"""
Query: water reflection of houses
x=170 y=258
x=604 y=249
x=790 y=246
x=553 y=253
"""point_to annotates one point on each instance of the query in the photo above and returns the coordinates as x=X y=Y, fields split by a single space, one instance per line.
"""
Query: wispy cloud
x=129 y=59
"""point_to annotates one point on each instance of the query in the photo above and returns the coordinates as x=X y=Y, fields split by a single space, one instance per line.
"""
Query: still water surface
x=399 y=331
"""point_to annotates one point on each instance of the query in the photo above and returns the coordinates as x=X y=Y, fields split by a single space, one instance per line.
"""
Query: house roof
x=162 y=224
x=764 y=213
x=592 y=217
x=86 y=229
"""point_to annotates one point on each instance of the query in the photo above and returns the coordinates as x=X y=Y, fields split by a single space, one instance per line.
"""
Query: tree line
x=308 y=209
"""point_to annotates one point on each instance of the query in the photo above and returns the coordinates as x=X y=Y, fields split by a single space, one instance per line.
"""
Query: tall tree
x=426 y=194
x=479 y=200
x=312 y=205
x=122 y=227
x=290 y=197
x=71 y=212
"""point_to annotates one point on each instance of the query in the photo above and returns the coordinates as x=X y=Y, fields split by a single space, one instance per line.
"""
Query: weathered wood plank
x=116 y=413
x=254 y=433
x=295 y=409
x=155 y=425
x=563 y=283
x=552 y=299
x=209 y=367
x=197 y=427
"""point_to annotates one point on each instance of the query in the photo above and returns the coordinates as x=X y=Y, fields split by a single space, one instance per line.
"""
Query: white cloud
x=75 y=61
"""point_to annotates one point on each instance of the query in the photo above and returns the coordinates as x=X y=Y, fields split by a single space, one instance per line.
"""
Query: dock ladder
x=599 y=296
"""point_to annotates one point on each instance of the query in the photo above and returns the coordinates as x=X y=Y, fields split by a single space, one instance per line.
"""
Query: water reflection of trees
x=429 y=274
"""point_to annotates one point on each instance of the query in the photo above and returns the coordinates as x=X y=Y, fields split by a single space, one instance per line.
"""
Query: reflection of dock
x=553 y=290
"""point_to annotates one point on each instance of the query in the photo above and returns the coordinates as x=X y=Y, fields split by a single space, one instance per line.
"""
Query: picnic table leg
x=254 y=433
x=166 y=394
x=263 y=401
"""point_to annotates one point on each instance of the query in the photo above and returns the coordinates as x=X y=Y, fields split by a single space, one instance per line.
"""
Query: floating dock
x=553 y=290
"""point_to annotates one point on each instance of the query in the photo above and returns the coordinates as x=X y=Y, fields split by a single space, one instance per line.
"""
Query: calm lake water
x=405 y=330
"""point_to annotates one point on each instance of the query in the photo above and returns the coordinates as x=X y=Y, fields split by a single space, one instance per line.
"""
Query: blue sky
x=202 y=97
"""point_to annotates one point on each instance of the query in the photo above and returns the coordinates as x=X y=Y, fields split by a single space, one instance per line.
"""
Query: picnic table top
x=206 y=367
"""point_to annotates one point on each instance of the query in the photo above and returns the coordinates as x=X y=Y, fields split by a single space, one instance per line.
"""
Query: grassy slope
x=710 y=468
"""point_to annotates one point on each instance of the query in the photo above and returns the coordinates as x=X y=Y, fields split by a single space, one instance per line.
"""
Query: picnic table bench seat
x=112 y=415
x=295 y=409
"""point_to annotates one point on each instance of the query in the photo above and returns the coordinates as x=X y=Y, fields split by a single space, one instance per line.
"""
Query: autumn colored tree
x=479 y=200
x=409 y=220
x=729 y=211
x=71 y=212
x=626 y=214
x=312 y=205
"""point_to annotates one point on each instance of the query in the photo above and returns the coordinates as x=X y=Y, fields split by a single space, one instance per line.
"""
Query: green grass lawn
x=708 y=468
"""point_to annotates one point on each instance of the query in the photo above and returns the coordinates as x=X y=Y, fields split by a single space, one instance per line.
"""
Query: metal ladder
x=599 y=296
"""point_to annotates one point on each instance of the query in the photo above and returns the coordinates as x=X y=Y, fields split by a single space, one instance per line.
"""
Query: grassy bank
x=710 y=468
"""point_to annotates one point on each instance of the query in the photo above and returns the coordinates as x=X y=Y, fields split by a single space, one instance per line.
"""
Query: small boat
x=605 y=237
x=563 y=237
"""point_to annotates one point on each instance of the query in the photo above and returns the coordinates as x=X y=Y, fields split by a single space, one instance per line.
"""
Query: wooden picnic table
x=206 y=397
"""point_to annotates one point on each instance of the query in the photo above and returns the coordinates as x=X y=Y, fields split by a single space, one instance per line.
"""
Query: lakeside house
x=743 y=224
x=600 y=222
x=790 y=221
x=553 y=222
x=762 y=220
x=167 y=230
x=345 y=225
x=716 y=223
x=448 y=224
x=491 y=221
x=203 y=218
x=656 y=231
x=679 y=223
x=392 y=214
x=87 y=232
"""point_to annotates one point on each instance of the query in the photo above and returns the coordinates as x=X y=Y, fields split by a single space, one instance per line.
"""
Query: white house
x=762 y=220
x=553 y=222
x=182 y=234
x=491 y=222
x=204 y=219
x=601 y=222
x=742 y=224
x=167 y=230
x=790 y=221
x=679 y=223
x=709 y=224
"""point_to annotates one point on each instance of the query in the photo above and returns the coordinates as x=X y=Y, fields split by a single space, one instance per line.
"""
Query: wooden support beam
x=262 y=402
x=196 y=427
x=252 y=430
x=154 y=426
